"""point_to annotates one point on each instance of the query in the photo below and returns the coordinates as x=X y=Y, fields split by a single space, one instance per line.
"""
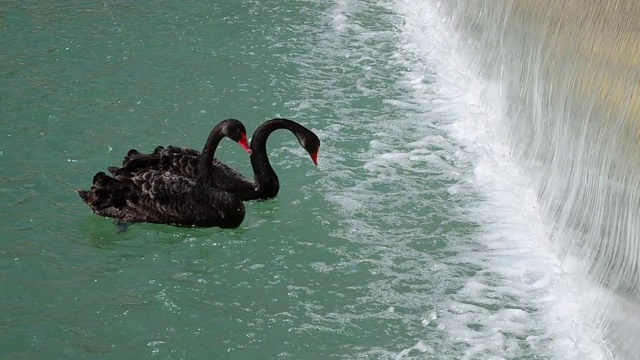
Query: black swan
x=157 y=196
x=185 y=162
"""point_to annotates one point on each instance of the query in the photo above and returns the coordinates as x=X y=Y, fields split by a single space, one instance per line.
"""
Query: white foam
x=420 y=346
x=340 y=16
x=440 y=122
x=521 y=268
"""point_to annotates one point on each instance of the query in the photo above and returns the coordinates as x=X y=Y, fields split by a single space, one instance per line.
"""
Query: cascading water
x=457 y=140
x=568 y=76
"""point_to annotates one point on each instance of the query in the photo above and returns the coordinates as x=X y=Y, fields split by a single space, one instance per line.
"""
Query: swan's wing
x=115 y=197
x=227 y=178
x=223 y=176
x=168 y=198
x=106 y=194
x=163 y=197
x=176 y=150
x=136 y=161
x=186 y=163
x=180 y=164
x=177 y=160
x=227 y=173
x=162 y=187
x=130 y=153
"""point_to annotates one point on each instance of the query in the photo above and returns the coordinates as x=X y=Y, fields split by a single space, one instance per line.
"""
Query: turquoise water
x=403 y=242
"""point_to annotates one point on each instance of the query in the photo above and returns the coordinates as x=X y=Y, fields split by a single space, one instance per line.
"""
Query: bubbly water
x=447 y=219
x=567 y=83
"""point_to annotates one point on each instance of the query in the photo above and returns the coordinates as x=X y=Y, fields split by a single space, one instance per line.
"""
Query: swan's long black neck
x=267 y=183
x=208 y=152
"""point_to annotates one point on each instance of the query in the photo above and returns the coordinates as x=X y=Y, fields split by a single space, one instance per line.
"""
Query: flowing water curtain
x=569 y=75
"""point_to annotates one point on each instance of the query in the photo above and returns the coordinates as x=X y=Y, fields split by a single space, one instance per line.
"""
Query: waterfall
x=568 y=73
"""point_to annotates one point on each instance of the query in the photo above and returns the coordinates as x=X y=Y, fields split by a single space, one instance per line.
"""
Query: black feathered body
x=186 y=162
x=165 y=198
x=157 y=196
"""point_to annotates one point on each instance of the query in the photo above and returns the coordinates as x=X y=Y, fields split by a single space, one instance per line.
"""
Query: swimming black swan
x=185 y=162
x=157 y=196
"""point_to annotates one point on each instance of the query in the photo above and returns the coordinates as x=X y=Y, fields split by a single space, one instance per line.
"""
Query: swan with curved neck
x=157 y=196
x=267 y=184
x=186 y=162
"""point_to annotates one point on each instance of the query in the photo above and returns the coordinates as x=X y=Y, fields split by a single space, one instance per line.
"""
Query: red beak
x=314 y=157
x=244 y=143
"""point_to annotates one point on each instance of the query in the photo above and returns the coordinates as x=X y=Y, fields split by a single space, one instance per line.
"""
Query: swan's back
x=186 y=163
x=161 y=197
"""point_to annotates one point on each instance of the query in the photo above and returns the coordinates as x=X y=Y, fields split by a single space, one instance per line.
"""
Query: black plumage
x=185 y=162
x=158 y=196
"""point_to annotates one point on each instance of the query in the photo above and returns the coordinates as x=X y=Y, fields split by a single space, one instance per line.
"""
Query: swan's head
x=310 y=142
x=236 y=131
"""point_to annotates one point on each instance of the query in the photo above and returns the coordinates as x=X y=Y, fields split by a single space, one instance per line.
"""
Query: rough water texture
x=419 y=235
x=569 y=73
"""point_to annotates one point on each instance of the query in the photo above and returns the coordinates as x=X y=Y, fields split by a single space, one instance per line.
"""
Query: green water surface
x=347 y=262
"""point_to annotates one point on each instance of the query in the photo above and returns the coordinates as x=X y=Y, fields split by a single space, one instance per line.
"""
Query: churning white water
x=551 y=300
